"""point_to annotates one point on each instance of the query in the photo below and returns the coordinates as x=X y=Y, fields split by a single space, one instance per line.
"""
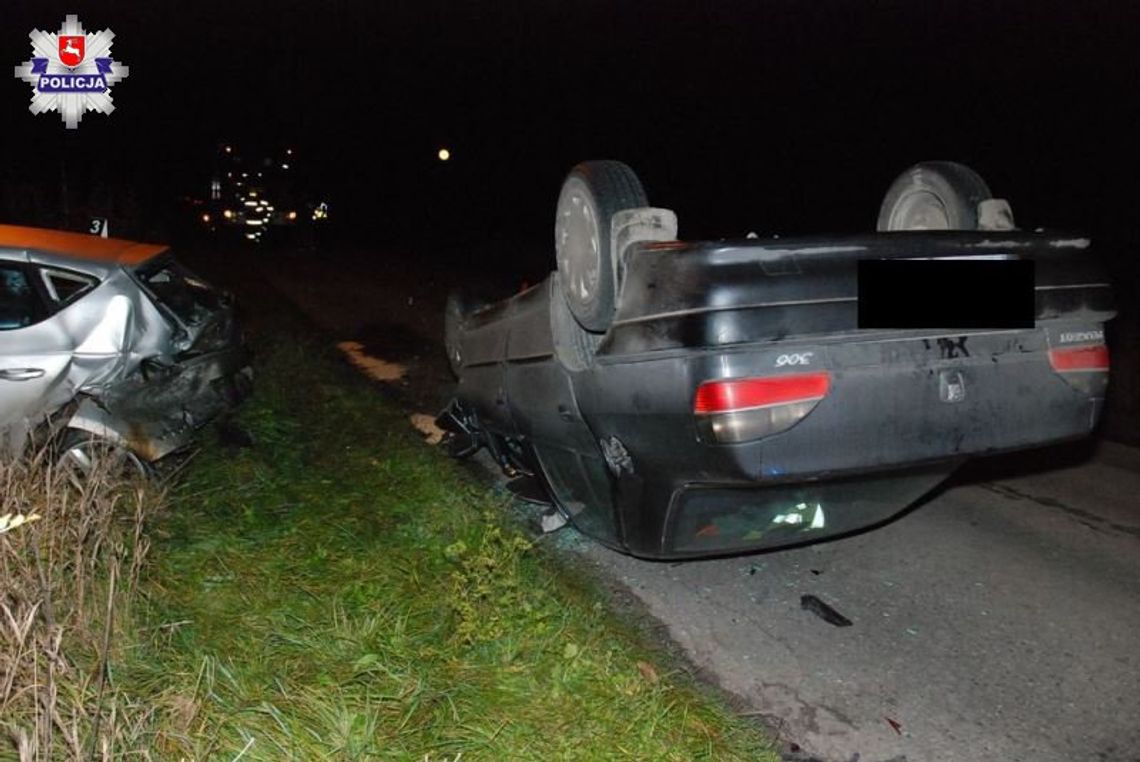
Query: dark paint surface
x=703 y=311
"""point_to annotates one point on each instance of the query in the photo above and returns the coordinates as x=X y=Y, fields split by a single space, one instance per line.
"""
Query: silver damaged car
x=114 y=341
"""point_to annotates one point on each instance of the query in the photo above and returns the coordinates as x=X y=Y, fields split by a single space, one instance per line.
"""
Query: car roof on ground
x=78 y=245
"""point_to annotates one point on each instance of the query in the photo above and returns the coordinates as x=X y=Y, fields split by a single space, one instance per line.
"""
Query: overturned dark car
x=113 y=345
x=680 y=399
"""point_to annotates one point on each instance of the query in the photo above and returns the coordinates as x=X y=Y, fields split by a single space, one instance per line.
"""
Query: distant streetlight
x=444 y=154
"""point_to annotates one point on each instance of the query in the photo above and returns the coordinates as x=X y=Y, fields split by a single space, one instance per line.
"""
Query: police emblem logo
x=71 y=49
x=71 y=71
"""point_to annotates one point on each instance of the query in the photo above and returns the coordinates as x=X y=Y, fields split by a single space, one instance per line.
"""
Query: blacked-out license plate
x=946 y=293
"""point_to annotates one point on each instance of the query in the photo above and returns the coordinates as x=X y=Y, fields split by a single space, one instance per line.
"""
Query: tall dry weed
x=72 y=550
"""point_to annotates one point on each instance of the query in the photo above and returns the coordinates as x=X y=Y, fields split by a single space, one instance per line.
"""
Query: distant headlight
x=205 y=218
x=228 y=214
x=292 y=215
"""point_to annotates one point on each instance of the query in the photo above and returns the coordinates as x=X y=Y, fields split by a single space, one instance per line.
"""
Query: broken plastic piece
x=552 y=521
x=823 y=611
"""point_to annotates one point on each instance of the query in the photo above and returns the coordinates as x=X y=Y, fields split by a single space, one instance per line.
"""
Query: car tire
x=82 y=454
x=934 y=195
x=574 y=346
x=591 y=194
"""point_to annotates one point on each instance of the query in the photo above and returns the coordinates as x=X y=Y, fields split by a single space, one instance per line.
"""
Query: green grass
x=341 y=591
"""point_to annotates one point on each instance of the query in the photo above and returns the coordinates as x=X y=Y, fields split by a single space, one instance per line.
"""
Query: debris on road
x=374 y=367
x=895 y=725
x=552 y=521
x=425 y=424
x=823 y=611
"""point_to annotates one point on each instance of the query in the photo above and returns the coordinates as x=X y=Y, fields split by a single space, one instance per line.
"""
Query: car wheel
x=591 y=194
x=85 y=456
x=574 y=346
x=934 y=195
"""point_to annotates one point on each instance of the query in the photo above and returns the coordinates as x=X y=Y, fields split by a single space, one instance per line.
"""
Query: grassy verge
x=342 y=591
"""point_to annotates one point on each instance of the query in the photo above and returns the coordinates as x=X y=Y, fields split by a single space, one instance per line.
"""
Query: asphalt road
x=999 y=620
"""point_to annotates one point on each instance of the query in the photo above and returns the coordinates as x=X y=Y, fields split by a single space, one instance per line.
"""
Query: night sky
x=786 y=117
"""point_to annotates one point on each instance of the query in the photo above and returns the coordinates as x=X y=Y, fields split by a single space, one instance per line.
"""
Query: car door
x=34 y=354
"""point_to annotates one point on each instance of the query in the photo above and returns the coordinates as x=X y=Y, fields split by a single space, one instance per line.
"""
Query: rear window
x=64 y=286
x=191 y=299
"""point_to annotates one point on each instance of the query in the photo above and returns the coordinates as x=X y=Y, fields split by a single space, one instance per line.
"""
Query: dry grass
x=71 y=556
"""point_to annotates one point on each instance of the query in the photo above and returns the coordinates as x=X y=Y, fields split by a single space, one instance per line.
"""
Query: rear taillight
x=743 y=409
x=1083 y=368
x=1077 y=359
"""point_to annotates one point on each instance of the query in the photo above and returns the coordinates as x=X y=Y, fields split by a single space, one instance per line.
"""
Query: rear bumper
x=884 y=435
x=886 y=405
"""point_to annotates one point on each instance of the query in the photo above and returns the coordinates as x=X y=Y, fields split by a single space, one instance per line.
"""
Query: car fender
x=143 y=440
